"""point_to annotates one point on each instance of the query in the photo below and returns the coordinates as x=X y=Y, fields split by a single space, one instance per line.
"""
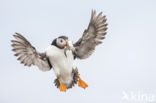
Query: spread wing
x=92 y=36
x=28 y=55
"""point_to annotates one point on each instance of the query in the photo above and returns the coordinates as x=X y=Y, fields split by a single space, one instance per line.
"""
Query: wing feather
x=92 y=36
x=27 y=54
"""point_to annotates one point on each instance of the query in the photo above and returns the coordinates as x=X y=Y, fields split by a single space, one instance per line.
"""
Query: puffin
x=61 y=53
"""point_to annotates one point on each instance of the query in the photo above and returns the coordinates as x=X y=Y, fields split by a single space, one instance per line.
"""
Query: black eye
x=61 y=40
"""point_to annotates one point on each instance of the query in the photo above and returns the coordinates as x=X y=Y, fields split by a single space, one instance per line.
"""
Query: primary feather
x=28 y=55
x=92 y=36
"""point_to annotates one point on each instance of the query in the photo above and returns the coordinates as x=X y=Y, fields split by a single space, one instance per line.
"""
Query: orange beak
x=68 y=44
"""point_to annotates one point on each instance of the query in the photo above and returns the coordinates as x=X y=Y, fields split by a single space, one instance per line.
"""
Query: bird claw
x=62 y=87
x=81 y=83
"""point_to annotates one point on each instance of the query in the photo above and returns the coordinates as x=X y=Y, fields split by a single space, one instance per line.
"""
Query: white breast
x=62 y=65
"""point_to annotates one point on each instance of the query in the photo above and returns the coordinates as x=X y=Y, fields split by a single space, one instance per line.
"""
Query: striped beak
x=67 y=44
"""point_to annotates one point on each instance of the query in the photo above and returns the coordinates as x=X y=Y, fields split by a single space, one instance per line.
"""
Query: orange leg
x=81 y=83
x=62 y=87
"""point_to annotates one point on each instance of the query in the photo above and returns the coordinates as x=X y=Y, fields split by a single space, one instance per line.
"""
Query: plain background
x=126 y=61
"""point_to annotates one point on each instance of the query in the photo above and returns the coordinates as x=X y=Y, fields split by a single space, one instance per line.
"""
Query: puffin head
x=61 y=42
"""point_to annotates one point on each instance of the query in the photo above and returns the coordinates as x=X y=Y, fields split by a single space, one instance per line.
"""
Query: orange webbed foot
x=81 y=83
x=62 y=87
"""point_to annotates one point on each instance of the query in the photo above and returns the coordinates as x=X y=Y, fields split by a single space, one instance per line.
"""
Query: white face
x=61 y=42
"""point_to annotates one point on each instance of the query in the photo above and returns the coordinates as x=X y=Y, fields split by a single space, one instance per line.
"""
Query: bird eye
x=61 y=40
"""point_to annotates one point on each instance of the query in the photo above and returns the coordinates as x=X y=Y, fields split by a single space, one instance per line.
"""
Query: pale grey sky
x=126 y=61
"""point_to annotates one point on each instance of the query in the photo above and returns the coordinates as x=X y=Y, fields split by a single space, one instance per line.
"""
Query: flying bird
x=60 y=55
